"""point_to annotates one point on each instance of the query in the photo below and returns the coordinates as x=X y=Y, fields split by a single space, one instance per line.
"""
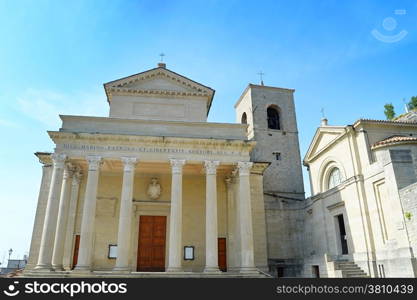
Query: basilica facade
x=154 y=190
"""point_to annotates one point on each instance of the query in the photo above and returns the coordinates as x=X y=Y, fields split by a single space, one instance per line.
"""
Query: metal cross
x=261 y=77
x=322 y=113
x=162 y=56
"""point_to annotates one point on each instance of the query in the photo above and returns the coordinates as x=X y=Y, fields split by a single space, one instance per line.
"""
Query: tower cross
x=261 y=74
x=162 y=56
x=322 y=113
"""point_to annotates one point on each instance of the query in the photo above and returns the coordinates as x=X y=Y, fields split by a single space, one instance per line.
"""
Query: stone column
x=125 y=216
x=39 y=217
x=61 y=227
x=212 y=263
x=89 y=212
x=231 y=228
x=72 y=213
x=247 y=264
x=48 y=231
x=175 y=227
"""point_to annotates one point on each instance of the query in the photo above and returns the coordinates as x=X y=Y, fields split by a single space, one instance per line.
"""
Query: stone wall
x=408 y=197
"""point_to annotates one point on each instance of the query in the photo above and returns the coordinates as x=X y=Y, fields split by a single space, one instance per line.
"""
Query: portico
x=100 y=205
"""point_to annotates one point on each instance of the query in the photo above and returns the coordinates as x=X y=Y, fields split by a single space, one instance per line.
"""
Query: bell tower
x=270 y=115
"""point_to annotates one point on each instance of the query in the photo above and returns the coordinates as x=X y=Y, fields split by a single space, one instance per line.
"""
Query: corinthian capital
x=78 y=176
x=244 y=167
x=129 y=163
x=176 y=165
x=59 y=159
x=68 y=171
x=211 y=166
x=94 y=162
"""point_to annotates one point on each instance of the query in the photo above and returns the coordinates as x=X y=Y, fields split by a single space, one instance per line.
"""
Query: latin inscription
x=100 y=148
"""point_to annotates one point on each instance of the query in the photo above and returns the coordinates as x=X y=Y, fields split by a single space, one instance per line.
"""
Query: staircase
x=350 y=269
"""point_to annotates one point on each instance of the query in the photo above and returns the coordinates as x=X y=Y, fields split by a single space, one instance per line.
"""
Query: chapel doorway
x=151 y=244
x=342 y=234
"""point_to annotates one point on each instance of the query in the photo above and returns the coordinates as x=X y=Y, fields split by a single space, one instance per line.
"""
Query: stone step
x=346 y=264
x=350 y=269
x=354 y=273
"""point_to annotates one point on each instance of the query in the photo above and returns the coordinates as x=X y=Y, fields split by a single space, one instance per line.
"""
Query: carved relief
x=154 y=189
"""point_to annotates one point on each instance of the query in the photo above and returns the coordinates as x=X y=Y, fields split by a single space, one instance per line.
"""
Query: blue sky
x=55 y=56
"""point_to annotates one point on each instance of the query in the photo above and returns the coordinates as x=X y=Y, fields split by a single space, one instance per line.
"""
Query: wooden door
x=151 y=245
x=221 y=245
x=76 y=249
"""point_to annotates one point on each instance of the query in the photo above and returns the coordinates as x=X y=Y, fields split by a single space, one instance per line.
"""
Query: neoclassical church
x=154 y=190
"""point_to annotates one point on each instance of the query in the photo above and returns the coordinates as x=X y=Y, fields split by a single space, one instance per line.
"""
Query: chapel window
x=335 y=178
x=273 y=118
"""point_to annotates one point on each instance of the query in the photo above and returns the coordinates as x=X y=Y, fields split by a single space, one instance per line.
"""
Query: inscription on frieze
x=103 y=148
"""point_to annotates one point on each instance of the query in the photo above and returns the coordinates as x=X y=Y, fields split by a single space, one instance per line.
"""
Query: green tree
x=413 y=103
x=389 y=111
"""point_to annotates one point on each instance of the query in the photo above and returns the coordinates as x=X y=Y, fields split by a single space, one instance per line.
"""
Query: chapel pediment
x=324 y=137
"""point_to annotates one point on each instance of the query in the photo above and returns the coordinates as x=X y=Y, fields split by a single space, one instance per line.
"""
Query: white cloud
x=45 y=106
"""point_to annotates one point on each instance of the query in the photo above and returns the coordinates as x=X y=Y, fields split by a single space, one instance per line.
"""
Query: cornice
x=259 y=168
x=147 y=92
x=44 y=157
x=338 y=188
x=242 y=145
x=251 y=85
x=384 y=123
x=154 y=122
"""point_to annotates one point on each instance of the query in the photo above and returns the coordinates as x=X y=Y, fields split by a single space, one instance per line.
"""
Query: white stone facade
x=95 y=193
x=375 y=195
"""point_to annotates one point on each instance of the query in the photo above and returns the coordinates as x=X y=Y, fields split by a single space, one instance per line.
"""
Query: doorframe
x=333 y=236
x=338 y=236
x=148 y=209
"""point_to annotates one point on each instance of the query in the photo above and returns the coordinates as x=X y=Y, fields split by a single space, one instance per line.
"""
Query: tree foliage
x=389 y=111
x=413 y=103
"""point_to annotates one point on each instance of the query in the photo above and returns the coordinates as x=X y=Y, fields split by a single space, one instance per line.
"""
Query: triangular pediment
x=158 y=81
x=324 y=137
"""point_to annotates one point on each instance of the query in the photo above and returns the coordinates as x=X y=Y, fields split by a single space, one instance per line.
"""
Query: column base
x=248 y=270
x=58 y=267
x=44 y=268
x=82 y=269
x=121 y=269
x=211 y=270
x=233 y=269
x=174 y=269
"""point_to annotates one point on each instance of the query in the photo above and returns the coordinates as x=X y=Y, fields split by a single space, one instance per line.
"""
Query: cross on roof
x=322 y=113
x=261 y=74
x=162 y=56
